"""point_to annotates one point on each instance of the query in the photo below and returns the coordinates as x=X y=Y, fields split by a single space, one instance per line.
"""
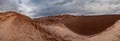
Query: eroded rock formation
x=18 y=27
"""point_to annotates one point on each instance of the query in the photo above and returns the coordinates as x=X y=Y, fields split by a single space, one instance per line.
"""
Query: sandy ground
x=17 y=27
x=85 y=25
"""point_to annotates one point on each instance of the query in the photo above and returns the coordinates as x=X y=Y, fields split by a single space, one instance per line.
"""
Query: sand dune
x=17 y=27
x=89 y=26
x=85 y=25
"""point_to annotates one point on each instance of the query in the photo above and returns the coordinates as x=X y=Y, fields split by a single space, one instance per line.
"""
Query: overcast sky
x=37 y=8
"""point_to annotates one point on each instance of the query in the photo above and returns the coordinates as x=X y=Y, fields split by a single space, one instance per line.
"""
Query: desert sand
x=18 y=27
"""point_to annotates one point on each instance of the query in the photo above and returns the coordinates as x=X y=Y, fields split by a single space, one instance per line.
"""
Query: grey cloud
x=8 y=5
x=103 y=6
x=64 y=2
x=54 y=7
x=35 y=8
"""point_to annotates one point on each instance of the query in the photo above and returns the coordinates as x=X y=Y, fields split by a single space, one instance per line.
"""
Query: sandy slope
x=85 y=25
x=90 y=28
x=17 y=27
x=110 y=34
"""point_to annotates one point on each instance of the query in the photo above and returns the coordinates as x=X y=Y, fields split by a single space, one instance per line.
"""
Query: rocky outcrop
x=18 y=27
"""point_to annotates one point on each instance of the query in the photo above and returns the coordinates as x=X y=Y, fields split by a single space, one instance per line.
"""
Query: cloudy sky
x=37 y=8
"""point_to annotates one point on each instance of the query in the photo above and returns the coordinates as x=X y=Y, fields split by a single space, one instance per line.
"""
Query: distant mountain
x=18 y=27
